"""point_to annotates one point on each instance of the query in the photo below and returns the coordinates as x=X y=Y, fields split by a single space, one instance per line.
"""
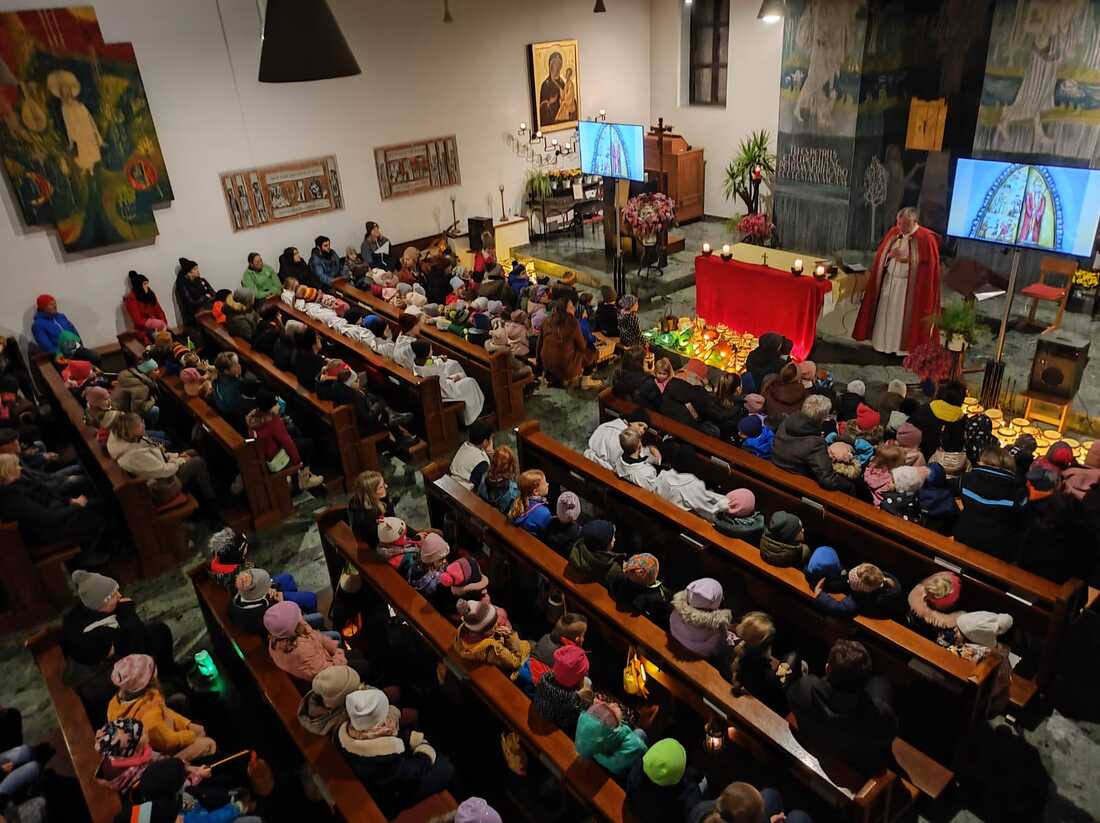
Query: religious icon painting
x=411 y=168
x=77 y=137
x=272 y=194
x=555 y=81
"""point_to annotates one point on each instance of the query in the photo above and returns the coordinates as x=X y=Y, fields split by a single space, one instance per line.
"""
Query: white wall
x=420 y=79
x=752 y=93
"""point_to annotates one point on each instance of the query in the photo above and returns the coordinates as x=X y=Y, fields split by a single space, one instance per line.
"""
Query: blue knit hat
x=824 y=562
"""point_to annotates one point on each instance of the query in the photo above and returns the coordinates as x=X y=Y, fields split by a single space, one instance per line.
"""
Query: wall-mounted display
x=272 y=194
x=411 y=168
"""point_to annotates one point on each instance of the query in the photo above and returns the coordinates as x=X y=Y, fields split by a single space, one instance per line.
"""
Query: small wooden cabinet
x=684 y=176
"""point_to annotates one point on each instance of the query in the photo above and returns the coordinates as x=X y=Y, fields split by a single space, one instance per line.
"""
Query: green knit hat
x=665 y=762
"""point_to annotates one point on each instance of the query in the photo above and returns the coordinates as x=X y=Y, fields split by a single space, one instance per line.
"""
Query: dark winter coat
x=991 y=519
x=661 y=804
x=42 y=513
x=307 y=366
x=750 y=529
x=607 y=320
x=121 y=629
x=249 y=615
x=559 y=705
x=779 y=553
x=193 y=295
x=933 y=419
x=637 y=386
x=652 y=601
x=800 y=448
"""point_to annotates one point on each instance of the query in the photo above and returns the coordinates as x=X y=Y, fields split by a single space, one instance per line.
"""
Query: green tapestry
x=76 y=134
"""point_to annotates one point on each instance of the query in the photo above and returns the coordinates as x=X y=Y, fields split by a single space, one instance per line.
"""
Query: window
x=710 y=28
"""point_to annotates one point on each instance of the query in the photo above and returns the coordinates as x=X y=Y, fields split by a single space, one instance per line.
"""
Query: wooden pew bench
x=157 y=532
x=268 y=494
x=76 y=729
x=437 y=420
x=357 y=452
x=1039 y=607
x=589 y=783
x=689 y=679
x=492 y=370
x=34 y=584
x=347 y=796
x=924 y=674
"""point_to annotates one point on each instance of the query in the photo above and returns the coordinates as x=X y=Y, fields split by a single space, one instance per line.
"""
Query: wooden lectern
x=683 y=173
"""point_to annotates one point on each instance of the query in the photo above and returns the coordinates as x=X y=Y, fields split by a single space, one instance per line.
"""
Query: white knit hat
x=984 y=628
x=367 y=708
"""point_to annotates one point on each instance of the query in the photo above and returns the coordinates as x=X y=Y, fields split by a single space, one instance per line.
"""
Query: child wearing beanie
x=978 y=634
x=569 y=630
x=867 y=424
x=755 y=436
x=565 y=527
x=660 y=787
x=296 y=647
x=742 y=803
x=473 y=810
x=429 y=564
x=699 y=622
x=592 y=556
x=460 y=580
x=561 y=693
x=908 y=438
x=602 y=735
x=782 y=542
x=844 y=460
x=322 y=709
x=741 y=519
x=398 y=766
x=139 y=698
x=636 y=586
x=932 y=605
x=486 y=636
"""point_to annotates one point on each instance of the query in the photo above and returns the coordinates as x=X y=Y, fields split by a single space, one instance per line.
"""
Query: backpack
x=905 y=505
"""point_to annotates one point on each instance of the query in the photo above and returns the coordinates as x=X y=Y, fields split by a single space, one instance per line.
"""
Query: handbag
x=164 y=489
x=515 y=757
x=279 y=462
x=634 y=676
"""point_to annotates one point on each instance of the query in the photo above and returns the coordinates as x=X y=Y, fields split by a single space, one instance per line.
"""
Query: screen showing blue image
x=612 y=150
x=1043 y=207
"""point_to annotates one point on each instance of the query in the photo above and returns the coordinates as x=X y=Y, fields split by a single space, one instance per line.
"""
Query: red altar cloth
x=758 y=299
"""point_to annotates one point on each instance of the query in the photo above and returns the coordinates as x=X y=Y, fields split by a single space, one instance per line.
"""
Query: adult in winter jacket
x=766 y=358
x=631 y=382
x=47 y=327
x=943 y=413
x=800 y=447
x=784 y=394
x=241 y=319
x=741 y=519
x=992 y=517
x=563 y=352
x=559 y=694
x=397 y=765
x=371 y=249
x=485 y=635
x=145 y=311
x=261 y=278
x=324 y=263
x=698 y=620
x=602 y=735
x=291 y=265
x=845 y=715
x=323 y=708
x=193 y=292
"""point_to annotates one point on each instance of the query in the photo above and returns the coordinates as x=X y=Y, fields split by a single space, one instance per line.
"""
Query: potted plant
x=649 y=214
x=747 y=169
x=755 y=229
x=959 y=326
x=537 y=184
x=931 y=362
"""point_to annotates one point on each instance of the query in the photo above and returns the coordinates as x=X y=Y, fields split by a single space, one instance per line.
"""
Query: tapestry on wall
x=1042 y=83
x=556 y=81
x=76 y=134
x=272 y=194
x=411 y=168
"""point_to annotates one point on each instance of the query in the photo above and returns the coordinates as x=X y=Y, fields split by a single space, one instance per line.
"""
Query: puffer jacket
x=559 y=705
x=325 y=267
x=169 y=732
x=144 y=458
x=762 y=445
x=800 y=448
x=778 y=553
x=750 y=529
x=700 y=631
x=593 y=565
x=535 y=517
x=507 y=653
x=134 y=392
x=617 y=750
x=313 y=652
x=317 y=718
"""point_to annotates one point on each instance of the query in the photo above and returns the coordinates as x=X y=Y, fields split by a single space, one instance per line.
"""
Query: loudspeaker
x=477 y=225
x=1059 y=364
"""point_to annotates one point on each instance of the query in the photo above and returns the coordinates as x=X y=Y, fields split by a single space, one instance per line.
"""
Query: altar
x=755 y=292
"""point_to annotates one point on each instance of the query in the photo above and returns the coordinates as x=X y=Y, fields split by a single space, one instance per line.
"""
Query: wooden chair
x=1053 y=267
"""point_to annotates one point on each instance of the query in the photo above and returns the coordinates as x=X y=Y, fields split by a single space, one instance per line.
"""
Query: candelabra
x=542 y=150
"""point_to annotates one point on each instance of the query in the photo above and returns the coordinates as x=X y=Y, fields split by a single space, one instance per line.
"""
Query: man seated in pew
x=398 y=766
x=471 y=461
x=339 y=384
x=800 y=446
x=603 y=445
x=260 y=278
x=47 y=515
x=846 y=715
x=742 y=803
x=167 y=473
x=637 y=587
x=661 y=787
x=324 y=263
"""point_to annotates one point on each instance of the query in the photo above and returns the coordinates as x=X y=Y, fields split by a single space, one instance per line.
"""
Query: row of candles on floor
x=1008 y=430
x=797 y=268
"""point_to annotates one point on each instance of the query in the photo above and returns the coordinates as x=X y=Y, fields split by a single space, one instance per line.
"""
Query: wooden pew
x=347 y=796
x=590 y=784
x=357 y=452
x=268 y=494
x=925 y=674
x=157 y=532
x=694 y=681
x=437 y=420
x=492 y=370
x=76 y=729
x=1038 y=606
x=34 y=585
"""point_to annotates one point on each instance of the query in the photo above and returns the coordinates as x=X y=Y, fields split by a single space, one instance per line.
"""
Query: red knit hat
x=77 y=370
x=570 y=666
x=948 y=601
x=337 y=369
x=866 y=417
x=44 y=300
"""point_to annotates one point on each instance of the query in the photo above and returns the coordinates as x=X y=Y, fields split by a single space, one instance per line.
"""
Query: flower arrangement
x=756 y=227
x=649 y=213
x=1085 y=279
x=930 y=361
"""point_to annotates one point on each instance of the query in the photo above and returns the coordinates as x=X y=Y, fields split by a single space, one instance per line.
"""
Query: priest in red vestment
x=903 y=288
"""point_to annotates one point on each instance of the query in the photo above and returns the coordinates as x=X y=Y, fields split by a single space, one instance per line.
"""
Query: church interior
x=689 y=417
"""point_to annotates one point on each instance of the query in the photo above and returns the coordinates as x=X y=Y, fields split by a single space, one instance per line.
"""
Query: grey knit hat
x=245 y=296
x=93 y=589
x=784 y=526
x=260 y=586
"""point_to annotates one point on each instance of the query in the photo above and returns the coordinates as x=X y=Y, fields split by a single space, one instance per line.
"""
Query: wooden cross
x=661 y=130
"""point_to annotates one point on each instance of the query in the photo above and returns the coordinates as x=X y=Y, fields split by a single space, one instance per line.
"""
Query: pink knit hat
x=909 y=436
x=477 y=615
x=433 y=548
x=569 y=507
x=570 y=666
x=464 y=576
x=741 y=502
x=754 y=403
x=282 y=619
x=133 y=673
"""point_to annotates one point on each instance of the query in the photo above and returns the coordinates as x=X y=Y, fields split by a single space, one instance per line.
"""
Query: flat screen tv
x=1018 y=204
x=612 y=149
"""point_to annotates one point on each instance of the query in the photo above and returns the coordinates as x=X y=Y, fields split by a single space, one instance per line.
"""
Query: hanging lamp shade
x=303 y=42
x=771 y=11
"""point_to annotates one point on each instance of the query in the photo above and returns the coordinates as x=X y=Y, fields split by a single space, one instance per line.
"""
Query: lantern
x=205 y=664
x=714 y=737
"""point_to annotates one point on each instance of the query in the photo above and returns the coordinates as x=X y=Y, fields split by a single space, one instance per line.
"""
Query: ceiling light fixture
x=771 y=11
x=447 y=12
x=600 y=7
x=291 y=23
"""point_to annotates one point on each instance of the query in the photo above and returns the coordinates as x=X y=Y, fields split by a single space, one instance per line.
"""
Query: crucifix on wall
x=661 y=130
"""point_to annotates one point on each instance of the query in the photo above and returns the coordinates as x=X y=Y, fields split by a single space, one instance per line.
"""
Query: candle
x=820 y=271
x=798 y=264
x=523 y=127
x=706 y=248
x=603 y=112
x=725 y=249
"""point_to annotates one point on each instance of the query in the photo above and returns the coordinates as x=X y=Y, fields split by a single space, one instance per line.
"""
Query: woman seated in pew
x=278 y=448
x=398 y=766
x=530 y=510
x=291 y=265
x=338 y=383
x=636 y=586
x=269 y=330
x=167 y=473
x=144 y=309
x=498 y=484
x=740 y=518
x=564 y=692
x=485 y=635
x=139 y=698
x=846 y=715
x=368 y=504
x=193 y=292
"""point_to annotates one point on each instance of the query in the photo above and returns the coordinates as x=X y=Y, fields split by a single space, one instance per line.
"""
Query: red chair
x=1055 y=267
